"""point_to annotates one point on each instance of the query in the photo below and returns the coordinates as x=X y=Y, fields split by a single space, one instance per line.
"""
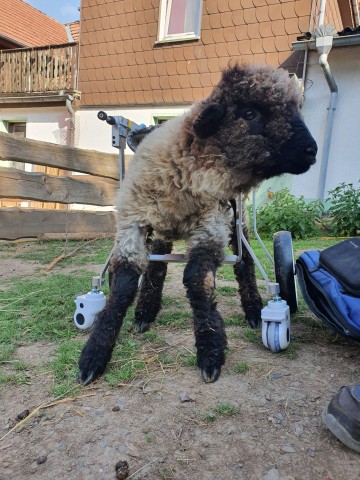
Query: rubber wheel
x=272 y=337
x=285 y=269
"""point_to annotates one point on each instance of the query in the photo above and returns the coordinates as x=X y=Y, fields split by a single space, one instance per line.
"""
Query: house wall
x=122 y=64
x=343 y=163
x=49 y=124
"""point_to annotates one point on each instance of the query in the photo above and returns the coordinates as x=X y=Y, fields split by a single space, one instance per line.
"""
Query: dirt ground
x=163 y=423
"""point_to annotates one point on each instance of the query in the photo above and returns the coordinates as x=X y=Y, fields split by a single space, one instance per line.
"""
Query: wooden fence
x=39 y=69
x=98 y=188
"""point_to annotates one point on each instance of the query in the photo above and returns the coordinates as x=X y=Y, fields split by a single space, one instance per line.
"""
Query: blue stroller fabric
x=329 y=283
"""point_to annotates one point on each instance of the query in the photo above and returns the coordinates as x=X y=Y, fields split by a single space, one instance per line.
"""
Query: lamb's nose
x=311 y=154
x=311 y=151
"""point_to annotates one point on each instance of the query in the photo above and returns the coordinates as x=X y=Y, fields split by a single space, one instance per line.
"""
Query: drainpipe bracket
x=324 y=44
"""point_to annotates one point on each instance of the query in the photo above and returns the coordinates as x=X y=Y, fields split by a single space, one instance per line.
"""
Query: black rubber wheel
x=285 y=269
x=102 y=115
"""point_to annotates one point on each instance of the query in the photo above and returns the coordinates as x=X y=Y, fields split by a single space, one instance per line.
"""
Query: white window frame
x=164 y=37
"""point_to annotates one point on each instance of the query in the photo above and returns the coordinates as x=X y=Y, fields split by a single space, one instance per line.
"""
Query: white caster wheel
x=276 y=325
x=87 y=307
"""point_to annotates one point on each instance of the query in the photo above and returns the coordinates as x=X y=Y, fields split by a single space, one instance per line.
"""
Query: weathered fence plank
x=50 y=188
x=26 y=223
x=60 y=156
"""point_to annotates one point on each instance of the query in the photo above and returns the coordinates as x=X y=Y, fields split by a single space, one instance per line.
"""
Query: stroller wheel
x=285 y=269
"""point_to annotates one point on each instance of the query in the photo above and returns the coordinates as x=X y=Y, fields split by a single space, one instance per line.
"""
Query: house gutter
x=324 y=45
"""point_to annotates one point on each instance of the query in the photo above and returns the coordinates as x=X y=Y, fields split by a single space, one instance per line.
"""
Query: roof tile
x=184 y=81
x=218 y=35
x=250 y=15
x=233 y=48
x=253 y=31
x=262 y=14
x=29 y=27
x=195 y=81
x=230 y=34
x=247 y=3
x=226 y=19
x=282 y=43
x=292 y=26
x=211 y=6
x=278 y=27
x=241 y=32
x=265 y=29
x=215 y=21
x=238 y=17
x=275 y=12
x=223 y=6
x=269 y=45
x=205 y=80
x=199 y=52
x=288 y=10
x=259 y=58
x=303 y=24
x=256 y=45
x=244 y=47
x=207 y=37
x=272 y=59
x=213 y=65
x=174 y=81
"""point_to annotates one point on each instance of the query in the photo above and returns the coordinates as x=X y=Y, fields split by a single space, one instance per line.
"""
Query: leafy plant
x=287 y=212
x=345 y=210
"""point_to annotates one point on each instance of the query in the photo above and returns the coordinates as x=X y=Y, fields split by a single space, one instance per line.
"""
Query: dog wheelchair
x=275 y=315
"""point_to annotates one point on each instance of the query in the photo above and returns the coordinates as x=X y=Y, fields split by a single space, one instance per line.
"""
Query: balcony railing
x=38 y=72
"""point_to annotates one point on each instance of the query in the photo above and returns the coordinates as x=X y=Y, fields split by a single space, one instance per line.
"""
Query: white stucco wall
x=48 y=124
x=96 y=134
x=344 y=157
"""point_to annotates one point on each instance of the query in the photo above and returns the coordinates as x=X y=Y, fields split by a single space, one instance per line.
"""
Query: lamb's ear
x=209 y=120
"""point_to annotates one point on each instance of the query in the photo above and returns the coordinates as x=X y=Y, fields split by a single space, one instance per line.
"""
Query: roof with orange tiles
x=74 y=28
x=121 y=62
x=28 y=27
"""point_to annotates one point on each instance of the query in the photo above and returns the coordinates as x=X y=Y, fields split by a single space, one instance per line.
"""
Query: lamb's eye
x=250 y=114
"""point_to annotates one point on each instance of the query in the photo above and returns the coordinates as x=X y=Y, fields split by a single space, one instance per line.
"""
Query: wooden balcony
x=39 y=74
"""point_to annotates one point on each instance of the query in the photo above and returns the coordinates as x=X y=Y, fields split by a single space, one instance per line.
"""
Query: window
x=158 y=120
x=179 y=20
x=18 y=129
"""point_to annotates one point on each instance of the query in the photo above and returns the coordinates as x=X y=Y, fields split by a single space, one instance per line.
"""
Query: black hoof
x=85 y=380
x=142 y=327
x=92 y=363
x=210 y=374
x=254 y=319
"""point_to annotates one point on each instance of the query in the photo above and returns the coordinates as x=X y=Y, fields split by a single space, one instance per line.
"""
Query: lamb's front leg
x=210 y=336
x=129 y=260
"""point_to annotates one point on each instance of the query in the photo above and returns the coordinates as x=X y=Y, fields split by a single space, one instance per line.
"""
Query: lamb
x=178 y=186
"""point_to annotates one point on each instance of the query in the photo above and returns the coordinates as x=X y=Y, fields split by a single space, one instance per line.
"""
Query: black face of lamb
x=210 y=336
x=298 y=153
x=98 y=349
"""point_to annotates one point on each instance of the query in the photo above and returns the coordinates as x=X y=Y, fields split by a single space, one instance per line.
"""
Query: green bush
x=287 y=212
x=345 y=210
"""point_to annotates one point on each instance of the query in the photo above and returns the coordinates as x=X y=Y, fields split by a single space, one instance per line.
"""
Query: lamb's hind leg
x=199 y=280
x=126 y=266
x=245 y=276
x=149 y=302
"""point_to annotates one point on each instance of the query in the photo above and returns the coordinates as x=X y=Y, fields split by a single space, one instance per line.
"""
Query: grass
x=222 y=409
x=241 y=367
x=40 y=308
